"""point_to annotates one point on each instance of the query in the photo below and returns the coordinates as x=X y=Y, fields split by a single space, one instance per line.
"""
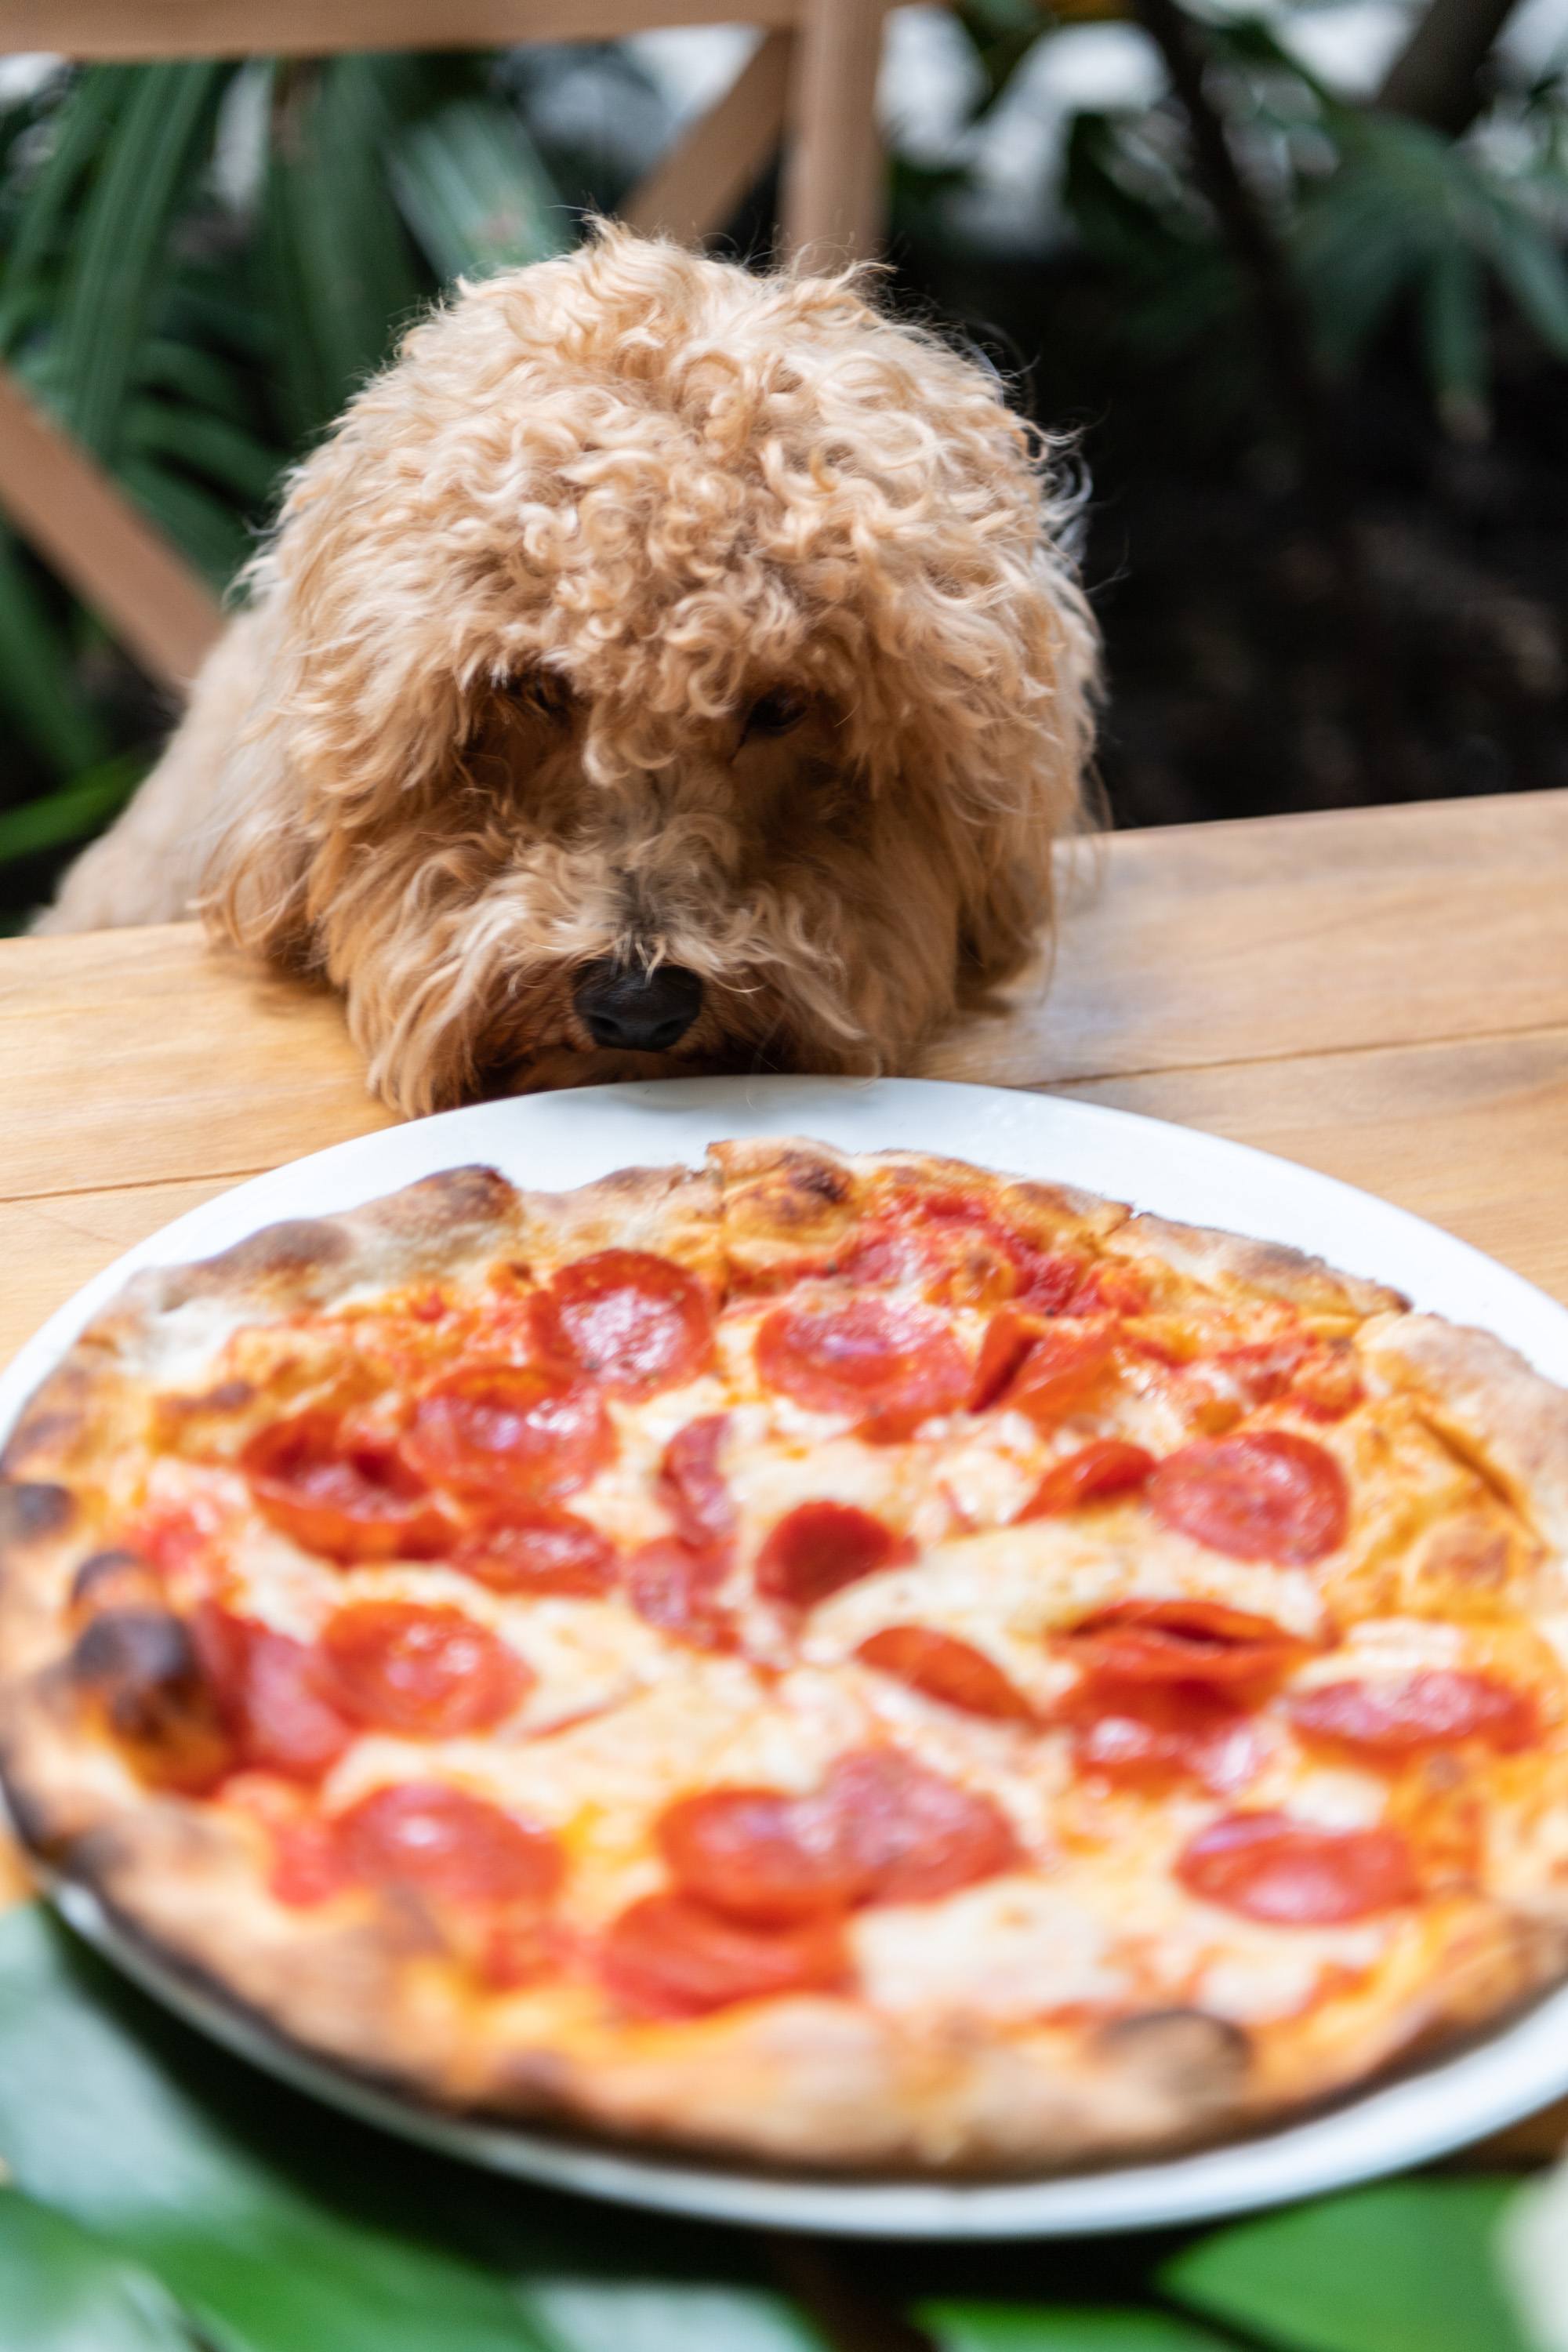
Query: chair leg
x=833 y=183
x=83 y=525
x=693 y=190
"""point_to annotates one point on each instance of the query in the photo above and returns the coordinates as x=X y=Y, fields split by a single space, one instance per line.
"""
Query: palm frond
x=80 y=808
x=471 y=187
x=38 y=689
x=337 y=274
x=120 y=253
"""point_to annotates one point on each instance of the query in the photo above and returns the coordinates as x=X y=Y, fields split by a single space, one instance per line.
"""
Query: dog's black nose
x=622 y=1004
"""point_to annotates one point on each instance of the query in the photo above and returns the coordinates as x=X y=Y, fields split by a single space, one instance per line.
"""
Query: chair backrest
x=810 y=83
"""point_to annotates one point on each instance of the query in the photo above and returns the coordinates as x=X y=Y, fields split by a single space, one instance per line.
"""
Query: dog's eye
x=547 y=696
x=774 y=714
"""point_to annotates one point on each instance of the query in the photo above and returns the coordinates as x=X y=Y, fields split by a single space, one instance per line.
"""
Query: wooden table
x=1382 y=993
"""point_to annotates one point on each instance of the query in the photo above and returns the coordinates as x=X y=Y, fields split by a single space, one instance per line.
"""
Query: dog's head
x=664 y=667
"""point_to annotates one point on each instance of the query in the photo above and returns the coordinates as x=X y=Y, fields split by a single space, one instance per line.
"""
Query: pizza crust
x=1490 y=1405
x=818 y=2081
x=1232 y=1263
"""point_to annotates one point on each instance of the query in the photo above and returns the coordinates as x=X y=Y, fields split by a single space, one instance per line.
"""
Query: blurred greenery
x=199 y=262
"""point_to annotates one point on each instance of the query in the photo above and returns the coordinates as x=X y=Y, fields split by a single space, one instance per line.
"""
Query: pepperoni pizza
x=865 y=1662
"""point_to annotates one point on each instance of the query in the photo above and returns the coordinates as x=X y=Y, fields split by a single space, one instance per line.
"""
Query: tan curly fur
x=485 y=717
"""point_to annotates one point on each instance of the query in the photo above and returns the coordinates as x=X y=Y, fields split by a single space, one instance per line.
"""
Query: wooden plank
x=1472 y=1134
x=833 y=182
x=694 y=190
x=199 y=1068
x=89 y=532
x=238 y=28
x=50 y=1247
x=1290 y=935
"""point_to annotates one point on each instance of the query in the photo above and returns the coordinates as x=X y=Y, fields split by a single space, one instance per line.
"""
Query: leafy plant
x=1375 y=212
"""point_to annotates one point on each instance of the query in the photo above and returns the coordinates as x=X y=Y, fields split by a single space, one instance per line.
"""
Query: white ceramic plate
x=557 y=1140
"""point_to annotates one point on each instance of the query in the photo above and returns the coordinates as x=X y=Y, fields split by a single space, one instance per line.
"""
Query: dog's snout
x=621 y=1004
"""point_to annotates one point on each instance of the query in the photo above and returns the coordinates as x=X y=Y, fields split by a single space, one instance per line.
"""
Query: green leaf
x=79 y=124
x=338 y=276
x=203 y=526
x=1024 y=2327
x=280 y=2226
x=119 y=254
x=196 y=376
x=62 y=2291
x=1408 y=2266
x=474 y=191
x=38 y=687
x=207 y=445
x=1534 y=273
x=78 y=809
x=588 y=2314
x=1454 y=332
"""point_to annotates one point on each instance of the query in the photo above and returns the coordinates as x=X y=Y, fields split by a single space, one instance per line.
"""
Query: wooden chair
x=811 y=81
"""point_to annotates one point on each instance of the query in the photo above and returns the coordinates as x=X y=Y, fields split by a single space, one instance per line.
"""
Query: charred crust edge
x=34 y=1508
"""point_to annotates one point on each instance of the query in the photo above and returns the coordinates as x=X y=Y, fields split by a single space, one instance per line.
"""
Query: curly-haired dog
x=659 y=667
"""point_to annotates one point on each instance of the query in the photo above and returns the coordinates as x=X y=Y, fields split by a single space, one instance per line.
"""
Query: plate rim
x=1507 y=2073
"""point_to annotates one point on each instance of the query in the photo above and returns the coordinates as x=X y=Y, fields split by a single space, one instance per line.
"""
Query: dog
x=660 y=668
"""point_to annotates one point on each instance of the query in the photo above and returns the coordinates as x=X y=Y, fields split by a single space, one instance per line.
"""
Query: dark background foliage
x=1313 y=351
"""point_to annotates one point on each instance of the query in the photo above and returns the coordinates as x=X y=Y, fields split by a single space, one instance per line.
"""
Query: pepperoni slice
x=1046 y=1280
x=936 y=1240
x=286 y=1722
x=883 y=1253
x=427 y=1834
x=1101 y=1471
x=1296 y=1875
x=675 y=1585
x=1183 y=1640
x=881 y=1828
x=306 y=1864
x=1398 y=1713
x=915 y=1835
x=347 y=1496
x=1262 y=1494
x=1329 y=1386
x=633 y=1322
x=669 y=1957
x=692 y=1483
x=1065 y=1369
x=1118 y=1289
x=945 y=1668
x=270 y=1694
x=1147 y=1735
x=401 y=1665
x=309 y=1866
x=759 y=1855
x=522 y=1430
x=1049 y=1281
x=819 y=1548
x=892 y=1366
x=1319 y=1376
x=539 y=1550
x=1009 y=1335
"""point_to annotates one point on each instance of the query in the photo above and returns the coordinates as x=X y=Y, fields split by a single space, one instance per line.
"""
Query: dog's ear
x=1010 y=872
x=254 y=889
x=253 y=886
